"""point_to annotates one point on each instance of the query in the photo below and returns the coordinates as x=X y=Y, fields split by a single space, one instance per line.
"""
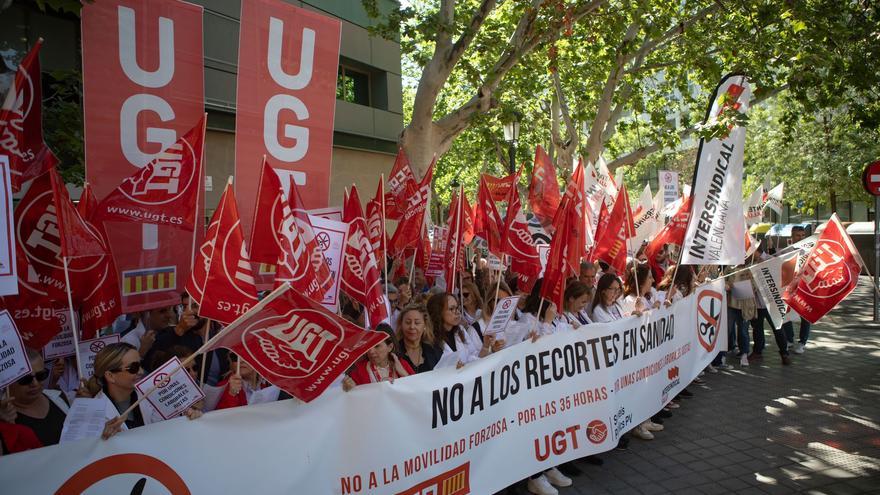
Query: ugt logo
x=293 y=345
x=163 y=180
x=828 y=261
x=709 y=304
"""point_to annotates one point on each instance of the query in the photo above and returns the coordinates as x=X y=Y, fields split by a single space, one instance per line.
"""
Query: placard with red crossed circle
x=504 y=309
x=89 y=348
x=175 y=390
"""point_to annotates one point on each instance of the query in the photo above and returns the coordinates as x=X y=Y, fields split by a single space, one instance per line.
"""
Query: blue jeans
x=738 y=328
x=804 y=334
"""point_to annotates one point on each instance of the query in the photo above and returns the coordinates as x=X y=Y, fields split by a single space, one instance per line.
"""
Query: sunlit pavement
x=812 y=427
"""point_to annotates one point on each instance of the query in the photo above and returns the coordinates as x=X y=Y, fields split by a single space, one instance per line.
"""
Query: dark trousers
x=758 y=332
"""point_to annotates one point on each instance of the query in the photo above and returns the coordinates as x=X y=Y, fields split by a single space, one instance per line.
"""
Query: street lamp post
x=511 y=135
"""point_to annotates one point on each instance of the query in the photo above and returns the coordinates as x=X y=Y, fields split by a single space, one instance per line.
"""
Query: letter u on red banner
x=287 y=65
x=143 y=84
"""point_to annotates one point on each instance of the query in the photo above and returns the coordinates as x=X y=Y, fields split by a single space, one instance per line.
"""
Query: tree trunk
x=833 y=200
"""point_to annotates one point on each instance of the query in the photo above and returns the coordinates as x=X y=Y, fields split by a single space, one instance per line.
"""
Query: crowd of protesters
x=429 y=328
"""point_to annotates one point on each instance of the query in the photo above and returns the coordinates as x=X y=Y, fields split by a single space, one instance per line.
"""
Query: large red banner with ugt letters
x=287 y=65
x=143 y=84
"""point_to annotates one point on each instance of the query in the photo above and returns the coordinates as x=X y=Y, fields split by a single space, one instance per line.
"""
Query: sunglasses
x=132 y=368
x=28 y=379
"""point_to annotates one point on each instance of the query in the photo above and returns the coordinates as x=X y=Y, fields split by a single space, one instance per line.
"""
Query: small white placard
x=175 y=389
x=89 y=348
x=14 y=363
x=504 y=309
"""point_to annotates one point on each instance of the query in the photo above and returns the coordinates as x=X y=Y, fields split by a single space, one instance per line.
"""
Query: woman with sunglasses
x=117 y=369
x=472 y=302
x=41 y=410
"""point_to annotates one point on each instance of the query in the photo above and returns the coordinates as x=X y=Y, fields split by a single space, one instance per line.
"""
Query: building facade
x=369 y=104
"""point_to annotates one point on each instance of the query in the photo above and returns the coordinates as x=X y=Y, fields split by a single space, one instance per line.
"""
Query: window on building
x=353 y=86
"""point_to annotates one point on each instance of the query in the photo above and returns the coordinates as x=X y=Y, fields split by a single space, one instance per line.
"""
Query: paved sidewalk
x=812 y=427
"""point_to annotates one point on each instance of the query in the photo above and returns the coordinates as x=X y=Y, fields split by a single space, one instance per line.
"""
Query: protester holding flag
x=741 y=309
x=381 y=365
x=539 y=315
x=798 y=234
x=42 y=410
x=460 y=345
x=239 y=385
x=415 y=339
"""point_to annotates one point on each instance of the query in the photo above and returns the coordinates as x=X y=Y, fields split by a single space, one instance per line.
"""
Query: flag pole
x=192 y=258
x=207 y=345
x=73 y=324
x=458 y=240
x=384 y=247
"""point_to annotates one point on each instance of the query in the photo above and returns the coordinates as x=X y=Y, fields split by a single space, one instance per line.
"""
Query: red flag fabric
x=454 y=237
x=264 y=243
x=294 y=264
x=672 y=233
x=612 y=235
x=499 y=187
x=487 y=221
x=576 y=204
x=401 y=184
x=360 y=272
x=296 y=344
x=21 y=123
x=556 y=271
x=376 y=224
x=222 y=280
x=165 y=191
x=544 y=194
x=516 y=239
x=469 y=217
x=103 y=304
x=37 y=316
x=409 y=229
x=48 y=229
x=322 y=271
x=829 y=274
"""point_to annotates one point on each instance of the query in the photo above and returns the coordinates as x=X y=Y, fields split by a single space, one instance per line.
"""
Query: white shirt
x=468 y=346
x=603 y=315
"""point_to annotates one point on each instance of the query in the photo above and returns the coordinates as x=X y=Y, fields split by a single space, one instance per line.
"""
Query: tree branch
x=470 y=31
x=640 y=153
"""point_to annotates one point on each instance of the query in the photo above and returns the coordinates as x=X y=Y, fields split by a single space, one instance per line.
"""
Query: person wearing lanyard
x=381 y=364
x=576 y=297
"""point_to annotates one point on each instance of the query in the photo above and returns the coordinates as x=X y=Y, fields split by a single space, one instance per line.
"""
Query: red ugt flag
x=221 y=280
x=267 y=217
x=544 y=194
x=48 y=229
x=516 y=241
x=487 y=221
x=360 y=271
x=499 y=187
x=672 y=233
x=295 y=263
x=409 y=230
x=102 y=305
x=376 y=224
x=21 y=123
x=166 y=191
x=295 y=343
x=829 y=274
x=612 y=236
x=453 y=240
x=401 y=185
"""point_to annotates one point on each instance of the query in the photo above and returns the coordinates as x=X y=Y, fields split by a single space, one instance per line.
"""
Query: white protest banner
x=773 y=199
x=771 y=277
x=716 y=230
x=175 y=389
x=61 y=344
x=668 y=186
x=331 y=237
x=518 y=411
x=89 y=348
x=14 y=363
x=8 y=274
x=332 y=213
x=504 y=309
